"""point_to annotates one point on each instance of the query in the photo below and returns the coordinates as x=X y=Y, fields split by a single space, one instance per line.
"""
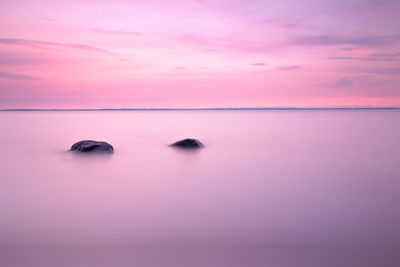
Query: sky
x=199 y=53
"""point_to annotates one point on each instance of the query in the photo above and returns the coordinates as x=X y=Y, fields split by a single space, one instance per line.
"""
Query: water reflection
x=292 y=188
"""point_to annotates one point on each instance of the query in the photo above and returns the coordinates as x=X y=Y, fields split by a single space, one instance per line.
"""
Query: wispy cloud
x=114 y=32
x=212 y=43
x=281 y=22
x=260 y=64
x=384 y=71
x=343 y=83
x=36 y=43
x=326 y=40
x=289 y=67
x=371 y=57
x=397 y=54
x=356 y=51
x=380 y=3
x=13 y=59
x=363 y=58
x=285 y=26
x=15 y=76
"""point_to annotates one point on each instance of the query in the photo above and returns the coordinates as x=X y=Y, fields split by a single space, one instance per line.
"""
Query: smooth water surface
x=270 y=188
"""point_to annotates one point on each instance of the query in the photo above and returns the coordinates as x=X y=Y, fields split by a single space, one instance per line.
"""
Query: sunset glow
x=185 y=54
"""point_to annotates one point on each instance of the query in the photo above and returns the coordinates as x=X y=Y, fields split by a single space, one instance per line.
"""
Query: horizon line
x=177 y=109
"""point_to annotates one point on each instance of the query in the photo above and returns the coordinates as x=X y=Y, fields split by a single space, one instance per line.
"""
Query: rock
x=188 y=143
x=92 y=146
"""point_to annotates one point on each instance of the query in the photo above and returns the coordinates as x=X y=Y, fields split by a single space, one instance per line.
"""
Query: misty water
x=271 y=188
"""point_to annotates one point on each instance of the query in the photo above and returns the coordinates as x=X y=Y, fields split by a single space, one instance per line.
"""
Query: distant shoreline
x=209 y=109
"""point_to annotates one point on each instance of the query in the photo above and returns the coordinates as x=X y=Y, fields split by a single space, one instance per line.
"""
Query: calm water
x=271 y=188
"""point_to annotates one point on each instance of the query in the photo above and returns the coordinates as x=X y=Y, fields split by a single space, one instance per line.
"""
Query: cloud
x=15 y=76
x=35 y=43
x=283 y=23
x=285 y=26
x=384 y=71
x=374 y=4
x=12 y=59
x=397 y=54
x=363 y=58
x=212 y=44
x=104 y=31
x=327 y=40
x=371 y=57
x=356 y=51
x=343 y=83
x=289 y=67
x=258 y=64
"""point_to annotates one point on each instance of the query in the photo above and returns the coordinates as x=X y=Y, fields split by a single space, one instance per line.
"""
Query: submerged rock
x=92 y=146
x=188 y=143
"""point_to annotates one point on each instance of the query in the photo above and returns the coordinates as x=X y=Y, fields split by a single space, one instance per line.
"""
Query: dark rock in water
x=188 y=143
x=92 y=146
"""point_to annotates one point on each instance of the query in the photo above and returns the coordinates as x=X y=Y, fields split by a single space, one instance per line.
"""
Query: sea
x=279 y=188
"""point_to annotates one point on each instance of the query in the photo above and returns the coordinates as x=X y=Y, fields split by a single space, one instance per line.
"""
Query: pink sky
x=220 y=53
